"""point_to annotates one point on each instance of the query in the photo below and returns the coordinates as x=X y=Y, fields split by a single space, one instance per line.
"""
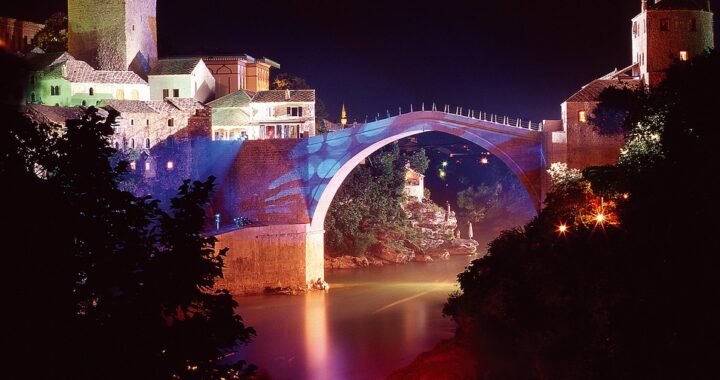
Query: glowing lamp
x=626 y=196
x=484 y=161
x=600 y=217
x=442 y=173
x=562 y=228
x=170 y=165
x=444 y=164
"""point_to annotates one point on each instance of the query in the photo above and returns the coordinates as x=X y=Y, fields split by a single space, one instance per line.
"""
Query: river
x=369 y=323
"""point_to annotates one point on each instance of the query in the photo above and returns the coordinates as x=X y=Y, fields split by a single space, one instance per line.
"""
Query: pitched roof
x=81 y=72
x=591 y=91
x=131 y=106
x=281 y=96
x=175 y=66
x=702 y=5
x=236 y=99
x=185 y=104
x=54 y=115
x=41 y=61
x=230 y=117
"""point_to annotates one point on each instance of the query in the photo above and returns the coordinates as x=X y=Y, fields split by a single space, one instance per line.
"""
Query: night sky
x=520 y=58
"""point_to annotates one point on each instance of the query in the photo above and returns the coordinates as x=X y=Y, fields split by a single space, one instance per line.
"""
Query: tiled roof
x=81 y=72
x=591 y=91
x=132 y=106
x=236 y=99
x=55 y=115
x=280 y=96
x=702 y=5
x=185 y=104
x=175 y=66
x=42 y=61
x=227 y=117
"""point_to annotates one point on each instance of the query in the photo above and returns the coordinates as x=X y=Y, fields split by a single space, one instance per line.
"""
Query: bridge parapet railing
x=468 y=113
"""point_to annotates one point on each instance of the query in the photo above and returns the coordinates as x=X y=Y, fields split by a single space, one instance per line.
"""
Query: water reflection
x=368 y=324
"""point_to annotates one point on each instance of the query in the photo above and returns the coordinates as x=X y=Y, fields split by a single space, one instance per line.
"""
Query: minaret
x=343 y=116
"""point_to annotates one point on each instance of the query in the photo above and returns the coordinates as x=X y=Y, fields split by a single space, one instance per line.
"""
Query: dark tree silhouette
x=53 y=37
x=631 y=297
x=106 y=285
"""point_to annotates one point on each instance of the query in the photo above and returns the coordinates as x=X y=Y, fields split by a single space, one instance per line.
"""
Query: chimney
x=708 y=6
x=287 y=94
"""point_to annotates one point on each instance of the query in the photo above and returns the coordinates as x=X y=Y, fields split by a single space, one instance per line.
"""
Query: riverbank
x=430 y=235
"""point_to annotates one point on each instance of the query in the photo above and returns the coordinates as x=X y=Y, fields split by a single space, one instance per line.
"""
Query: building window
x=166 y=93
x=693 y=25
x=170 y=165
x=133 y=165
x=664 y=24
x=91 y=91
x=147 y=146
x=120 y=94
x=582 y=116
x=55 y=90
x=147 y=166
x=83 y=103
x=132 y=144
x=147 y=122
x=132 y=121
x=134 y=95
x=294 y=111
x=171 y=122
x=176 y=93
x=683 y=55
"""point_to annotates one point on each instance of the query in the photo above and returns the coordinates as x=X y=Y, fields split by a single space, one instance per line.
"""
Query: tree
x=53 y=37
x=625 y=295
x=285 y=81
x=126 y=287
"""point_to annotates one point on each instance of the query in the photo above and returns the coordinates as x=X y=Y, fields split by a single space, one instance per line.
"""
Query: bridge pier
x=276 y=256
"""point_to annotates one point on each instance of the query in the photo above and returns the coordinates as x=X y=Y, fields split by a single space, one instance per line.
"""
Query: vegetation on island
x=369 y=202
x=102 y=284
x=616 y=278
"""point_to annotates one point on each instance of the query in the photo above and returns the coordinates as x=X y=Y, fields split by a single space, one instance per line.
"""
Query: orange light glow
x=600 y=218
x=626 y=196
x=683 y=55
x=582 y=116
x=562 y=229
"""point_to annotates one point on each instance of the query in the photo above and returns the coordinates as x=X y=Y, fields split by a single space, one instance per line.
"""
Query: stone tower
x=114 y=34
x=669 y=30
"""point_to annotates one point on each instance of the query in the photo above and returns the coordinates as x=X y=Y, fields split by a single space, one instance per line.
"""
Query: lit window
x=133 y=165
x=582 y=116
x=683 y=55
x=170 y=165
x=147 y=166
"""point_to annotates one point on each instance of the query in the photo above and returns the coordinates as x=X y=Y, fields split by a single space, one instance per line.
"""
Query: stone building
x=274 y=114
x=414 y=188
x=258 y=74
x=60 y=79
x=141 y=125
x=181 y=78
x=114 y=35
x=16 y=35
x=665 y=31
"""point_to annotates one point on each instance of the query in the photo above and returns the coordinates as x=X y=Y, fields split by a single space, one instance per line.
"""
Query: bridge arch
x=519 y=149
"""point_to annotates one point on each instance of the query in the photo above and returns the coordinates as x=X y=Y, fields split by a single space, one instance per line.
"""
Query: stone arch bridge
x=288 y=186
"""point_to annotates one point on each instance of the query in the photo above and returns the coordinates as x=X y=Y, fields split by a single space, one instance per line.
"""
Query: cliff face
x=429 y=235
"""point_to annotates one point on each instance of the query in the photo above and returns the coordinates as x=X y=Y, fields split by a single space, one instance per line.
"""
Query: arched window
x=84 y=103
x=91 y=91
x=135 y=95
x=147 y=143
x=120 y=94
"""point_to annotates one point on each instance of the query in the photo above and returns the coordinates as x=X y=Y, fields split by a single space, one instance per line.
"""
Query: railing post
x=388 y=113
x=434 y=107
x=411 y=108
x=423 y=106
x=399 y=111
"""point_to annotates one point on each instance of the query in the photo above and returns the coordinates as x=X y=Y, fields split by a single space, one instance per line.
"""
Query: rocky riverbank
x=431 y=234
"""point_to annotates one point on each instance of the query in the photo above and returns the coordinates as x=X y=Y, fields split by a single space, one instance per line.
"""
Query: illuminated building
x=664 y=32
x=274 y=114
x=414 y=188
x=181 y=78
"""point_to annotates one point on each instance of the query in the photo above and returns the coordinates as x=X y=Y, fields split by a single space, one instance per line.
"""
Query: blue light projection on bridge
x=294 y=181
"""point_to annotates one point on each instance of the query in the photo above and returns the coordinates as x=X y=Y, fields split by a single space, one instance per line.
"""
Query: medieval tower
x=114 y=34
x=666 y=31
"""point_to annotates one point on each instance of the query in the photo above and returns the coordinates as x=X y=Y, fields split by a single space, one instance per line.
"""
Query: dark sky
x=521 y=58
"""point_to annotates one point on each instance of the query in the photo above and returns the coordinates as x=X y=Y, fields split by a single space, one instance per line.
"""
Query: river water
x=369 y=323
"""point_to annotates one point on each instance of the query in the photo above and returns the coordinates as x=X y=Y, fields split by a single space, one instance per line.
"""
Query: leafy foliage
x=125 y=287
x=626 y=297
x=370 y=200
x=53 y=37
